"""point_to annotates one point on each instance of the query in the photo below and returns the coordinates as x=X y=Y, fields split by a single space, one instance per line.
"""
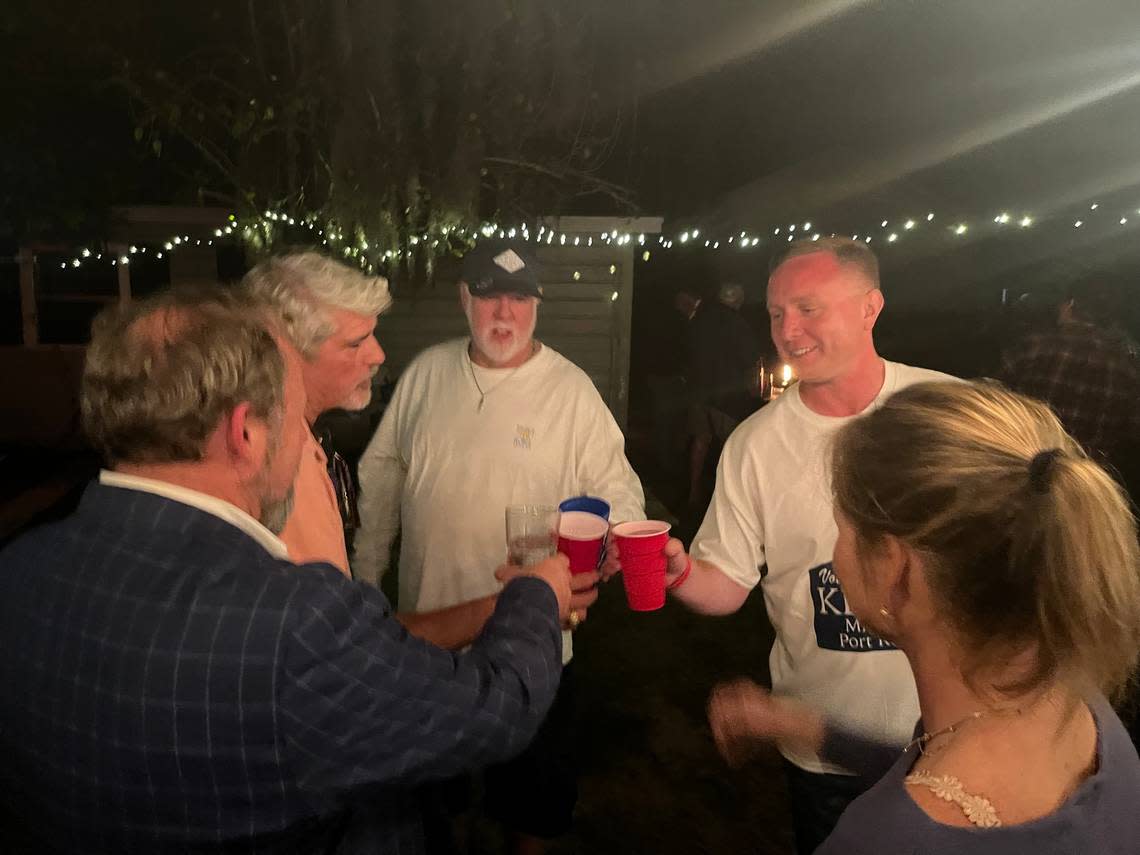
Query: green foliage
x=395 y=118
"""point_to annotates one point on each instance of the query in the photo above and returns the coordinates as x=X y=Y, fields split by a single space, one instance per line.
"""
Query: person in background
x=721 y=377
x=1087 y=371
x=329 y=312
x=665 y=380
x=173 y=683
x=770 y=522
x=978 y=537
x=476 y=424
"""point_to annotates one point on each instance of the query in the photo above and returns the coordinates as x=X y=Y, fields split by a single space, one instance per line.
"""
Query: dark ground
x=651 y=778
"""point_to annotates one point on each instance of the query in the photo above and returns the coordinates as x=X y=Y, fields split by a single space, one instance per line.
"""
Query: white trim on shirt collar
x=219 y=508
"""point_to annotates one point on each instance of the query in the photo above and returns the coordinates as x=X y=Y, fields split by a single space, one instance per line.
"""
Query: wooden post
x=122 y=271
x=623 y=319
x=31 y=324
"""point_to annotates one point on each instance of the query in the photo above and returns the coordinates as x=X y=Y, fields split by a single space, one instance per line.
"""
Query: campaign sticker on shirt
x=836 y=628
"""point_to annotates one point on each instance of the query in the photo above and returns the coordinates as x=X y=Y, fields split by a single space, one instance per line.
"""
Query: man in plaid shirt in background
x=1086 y=370
x=170 y=682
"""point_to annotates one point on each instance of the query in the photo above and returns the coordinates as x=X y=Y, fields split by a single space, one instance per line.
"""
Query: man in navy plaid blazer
x=170 y=682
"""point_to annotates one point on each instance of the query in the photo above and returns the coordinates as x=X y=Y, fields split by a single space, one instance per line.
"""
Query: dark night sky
x=751 y=115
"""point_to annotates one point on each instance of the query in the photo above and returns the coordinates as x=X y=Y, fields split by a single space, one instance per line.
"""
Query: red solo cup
x=641 y=550
x=580 y=538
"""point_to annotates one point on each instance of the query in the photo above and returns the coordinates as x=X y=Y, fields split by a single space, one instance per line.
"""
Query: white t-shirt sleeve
x=382 y=471
x=732 y=534
x=603 y=469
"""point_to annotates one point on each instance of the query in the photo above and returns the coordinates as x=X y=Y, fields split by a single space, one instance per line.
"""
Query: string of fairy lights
x=356 y=247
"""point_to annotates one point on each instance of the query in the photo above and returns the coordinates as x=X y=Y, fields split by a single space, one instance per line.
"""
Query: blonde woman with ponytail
x=976 y=536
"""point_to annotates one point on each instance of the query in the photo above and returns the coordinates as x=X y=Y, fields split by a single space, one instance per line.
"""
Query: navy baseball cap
x=500 y=268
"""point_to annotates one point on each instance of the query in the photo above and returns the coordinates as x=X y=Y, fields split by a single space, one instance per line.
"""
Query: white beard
x=500 y=352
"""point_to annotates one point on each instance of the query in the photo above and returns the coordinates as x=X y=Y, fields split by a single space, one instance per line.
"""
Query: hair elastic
x=1041 y=470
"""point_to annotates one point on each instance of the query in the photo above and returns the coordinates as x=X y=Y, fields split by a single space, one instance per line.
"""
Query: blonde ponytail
x=1029 y=546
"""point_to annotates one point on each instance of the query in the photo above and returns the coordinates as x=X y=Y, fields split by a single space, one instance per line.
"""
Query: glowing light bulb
x=1078 y=224
x=908 y=225
x=929 y=217
x=892 y=237
x=807 y=226
x=1025 y=222
x=960 y=229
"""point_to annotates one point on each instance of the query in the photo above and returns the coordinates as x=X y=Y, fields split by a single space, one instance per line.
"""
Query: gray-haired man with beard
x=329 y=311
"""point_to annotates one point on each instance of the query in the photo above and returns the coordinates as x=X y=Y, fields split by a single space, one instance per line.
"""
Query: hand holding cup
x=555 y=571
x=674 y=552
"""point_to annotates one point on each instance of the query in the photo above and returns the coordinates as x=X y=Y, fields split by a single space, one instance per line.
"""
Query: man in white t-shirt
x=770 y=520
x=474 y=425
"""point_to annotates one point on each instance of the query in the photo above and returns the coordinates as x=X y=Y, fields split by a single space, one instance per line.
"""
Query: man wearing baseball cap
x=476 y=424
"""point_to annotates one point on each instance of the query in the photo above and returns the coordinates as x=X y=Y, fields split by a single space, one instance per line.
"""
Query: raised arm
x=364 y=702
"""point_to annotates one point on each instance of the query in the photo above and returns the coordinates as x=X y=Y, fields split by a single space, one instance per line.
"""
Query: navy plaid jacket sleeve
x=363 y=701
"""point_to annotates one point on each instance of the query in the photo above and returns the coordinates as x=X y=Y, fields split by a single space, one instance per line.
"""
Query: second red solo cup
x=641 y=550
x=580 y=538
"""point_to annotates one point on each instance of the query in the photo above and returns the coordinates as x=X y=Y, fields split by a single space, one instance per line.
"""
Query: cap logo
x=509 y=261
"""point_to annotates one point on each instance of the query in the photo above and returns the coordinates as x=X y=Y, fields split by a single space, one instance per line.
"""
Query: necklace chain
x=474 y=379
x=922 y=741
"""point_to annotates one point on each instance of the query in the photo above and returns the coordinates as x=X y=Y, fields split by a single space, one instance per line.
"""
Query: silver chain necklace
x=474 y=379
x=922 y=741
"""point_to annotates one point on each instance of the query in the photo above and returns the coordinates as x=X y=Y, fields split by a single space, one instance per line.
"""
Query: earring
x=883 y=611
